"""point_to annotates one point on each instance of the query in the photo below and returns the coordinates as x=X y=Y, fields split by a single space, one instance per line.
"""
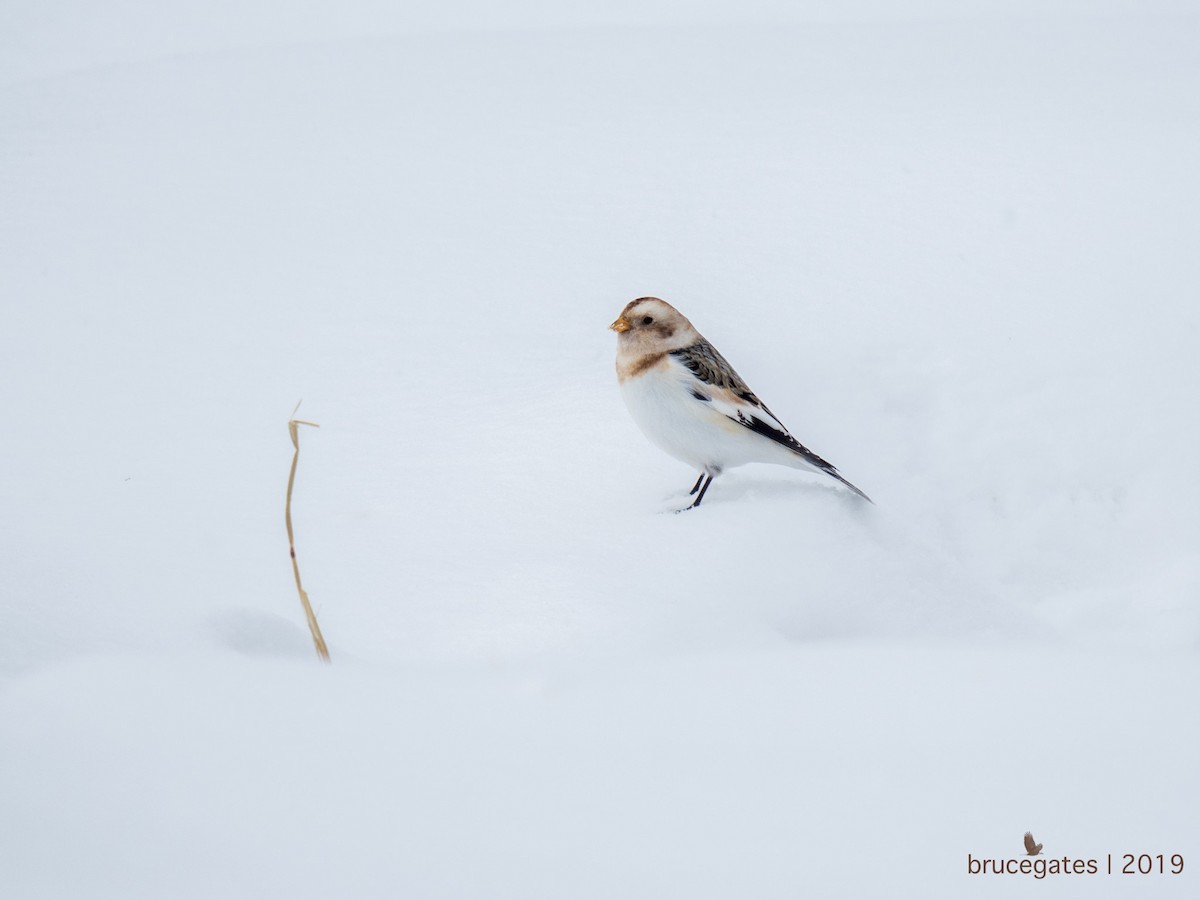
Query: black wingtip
x=758 y=426
x=852 y=487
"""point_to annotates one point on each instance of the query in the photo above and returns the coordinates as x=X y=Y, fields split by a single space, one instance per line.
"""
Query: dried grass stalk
x=318 y=639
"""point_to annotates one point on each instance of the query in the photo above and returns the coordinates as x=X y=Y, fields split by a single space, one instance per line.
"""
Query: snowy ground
x=954 y=250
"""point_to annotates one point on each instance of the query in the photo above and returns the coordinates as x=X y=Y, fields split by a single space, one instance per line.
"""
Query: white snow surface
x=954 y=248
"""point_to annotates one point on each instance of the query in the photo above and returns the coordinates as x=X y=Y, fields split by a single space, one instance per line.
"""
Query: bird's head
x=649 y=325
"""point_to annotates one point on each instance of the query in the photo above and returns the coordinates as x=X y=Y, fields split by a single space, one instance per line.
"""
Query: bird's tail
x=800 y=456
x=803 y=458
x=834 y=473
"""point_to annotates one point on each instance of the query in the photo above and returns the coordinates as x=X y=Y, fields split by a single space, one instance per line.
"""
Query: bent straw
x=318 y=639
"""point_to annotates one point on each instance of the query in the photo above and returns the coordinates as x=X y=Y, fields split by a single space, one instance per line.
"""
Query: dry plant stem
x=318 y=639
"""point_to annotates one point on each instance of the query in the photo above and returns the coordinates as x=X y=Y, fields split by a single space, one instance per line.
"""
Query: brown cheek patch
x=639 y=365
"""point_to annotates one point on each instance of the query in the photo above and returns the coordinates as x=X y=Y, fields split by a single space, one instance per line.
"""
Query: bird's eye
x=648 y=320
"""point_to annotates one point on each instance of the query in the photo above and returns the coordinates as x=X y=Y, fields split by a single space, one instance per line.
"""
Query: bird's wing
x=1030 y=846
x=718 y=384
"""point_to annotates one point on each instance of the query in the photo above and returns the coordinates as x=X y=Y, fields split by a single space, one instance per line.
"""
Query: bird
x=691 y=403
x=1031 y=849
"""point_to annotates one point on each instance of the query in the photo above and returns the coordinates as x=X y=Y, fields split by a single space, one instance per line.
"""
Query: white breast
x=661 y=402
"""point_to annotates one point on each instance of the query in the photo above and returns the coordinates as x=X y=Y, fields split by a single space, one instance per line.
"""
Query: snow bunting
x=690 y=402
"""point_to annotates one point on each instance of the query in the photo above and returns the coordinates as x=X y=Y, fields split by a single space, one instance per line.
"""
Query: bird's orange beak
x=622 y=324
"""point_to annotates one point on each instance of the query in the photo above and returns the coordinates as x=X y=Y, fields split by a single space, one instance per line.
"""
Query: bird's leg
x=696 y=486
x=702 y=490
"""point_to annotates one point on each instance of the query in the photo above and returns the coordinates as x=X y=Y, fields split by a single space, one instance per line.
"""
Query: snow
x=952 y=248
